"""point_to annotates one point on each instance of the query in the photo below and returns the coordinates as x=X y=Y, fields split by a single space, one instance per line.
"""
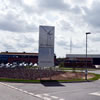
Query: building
x=19 y=57
x=79 y=60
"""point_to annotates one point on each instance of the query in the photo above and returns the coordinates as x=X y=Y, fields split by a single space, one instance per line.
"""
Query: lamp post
x=86 y=70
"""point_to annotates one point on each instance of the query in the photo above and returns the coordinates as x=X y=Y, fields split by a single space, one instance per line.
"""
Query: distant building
x=18 y=57
x=10 y=57
x=79 y=60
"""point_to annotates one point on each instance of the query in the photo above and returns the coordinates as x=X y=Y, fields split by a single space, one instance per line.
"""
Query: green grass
x=36 y=81
x=89 y=69
x=97 y=76
x=19 y=80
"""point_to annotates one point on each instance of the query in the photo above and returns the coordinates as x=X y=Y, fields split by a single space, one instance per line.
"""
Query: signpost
x=46 y=46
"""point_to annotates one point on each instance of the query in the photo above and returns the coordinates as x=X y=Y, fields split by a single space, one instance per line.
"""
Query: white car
x=2 y=64
x=7 y=65
x=31 y=64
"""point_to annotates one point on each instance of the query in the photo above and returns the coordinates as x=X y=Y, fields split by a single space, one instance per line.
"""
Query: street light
x=86 y=71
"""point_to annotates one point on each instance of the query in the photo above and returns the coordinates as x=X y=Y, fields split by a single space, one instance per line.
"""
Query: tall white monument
x=46 y=46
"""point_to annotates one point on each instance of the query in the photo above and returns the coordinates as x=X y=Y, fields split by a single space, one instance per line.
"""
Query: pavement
x=94 y=71
x=50 y=91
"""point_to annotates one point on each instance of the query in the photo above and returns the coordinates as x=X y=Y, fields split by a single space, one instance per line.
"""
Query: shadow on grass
x=51 y=83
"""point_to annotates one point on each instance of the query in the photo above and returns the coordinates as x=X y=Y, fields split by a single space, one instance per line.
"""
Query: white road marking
x=29 y=93
x=20 y=90
x=95 y=93
x=15 y=88
x=45 y=98
x=41 y=96
x=54 y=97
x=25 y=92
x=46 y=94
x=38 y=95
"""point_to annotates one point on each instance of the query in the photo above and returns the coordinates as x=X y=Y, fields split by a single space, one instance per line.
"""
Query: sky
x=20 y=20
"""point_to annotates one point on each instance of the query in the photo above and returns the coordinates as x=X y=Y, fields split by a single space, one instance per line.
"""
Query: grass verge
x=89 y=69
x=18 y=80
x=96 y=77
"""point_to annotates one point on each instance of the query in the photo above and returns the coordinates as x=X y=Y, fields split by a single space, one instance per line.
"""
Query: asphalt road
x=50 y=91
x=8 y=93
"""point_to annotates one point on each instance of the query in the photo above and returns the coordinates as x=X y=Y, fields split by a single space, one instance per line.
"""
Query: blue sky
x=20 y=20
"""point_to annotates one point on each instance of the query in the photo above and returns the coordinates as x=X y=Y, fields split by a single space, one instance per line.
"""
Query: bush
x=61 y=64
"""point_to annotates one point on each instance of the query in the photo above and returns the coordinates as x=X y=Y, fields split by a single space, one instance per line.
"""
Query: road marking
x=25 y=92
x=46 y=94
x=95 y=93
x=54 y=97
x=41 y=96
x=29 y=93
x=38 y=95
x=46 y=98
x=20 y=90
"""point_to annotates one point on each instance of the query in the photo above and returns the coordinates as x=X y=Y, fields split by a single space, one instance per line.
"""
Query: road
x=9 y=93
x=47 y=91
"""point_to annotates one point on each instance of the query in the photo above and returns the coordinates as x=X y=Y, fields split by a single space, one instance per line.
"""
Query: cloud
x=66 y=45
x=92 y=16
x=75 y=10
x=11 y=22
x=18 y=42
x=53 y=5
x=77 y=45
x=66 y=26
x=8 y=47
x=95 y=37
x=93 y=50
x=62 y=43
x=19 y=21
x=14 y=19
x=25 y=41
x=79 y=2
x=57 y=5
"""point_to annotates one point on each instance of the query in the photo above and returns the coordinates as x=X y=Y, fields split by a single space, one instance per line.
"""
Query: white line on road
x=29 y=93
x=54 y=97
x=95 y=93
x=38 y=95
x=44 y=96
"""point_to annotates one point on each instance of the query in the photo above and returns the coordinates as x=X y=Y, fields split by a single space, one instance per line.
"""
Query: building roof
x=18 y=53
x=83 y=55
